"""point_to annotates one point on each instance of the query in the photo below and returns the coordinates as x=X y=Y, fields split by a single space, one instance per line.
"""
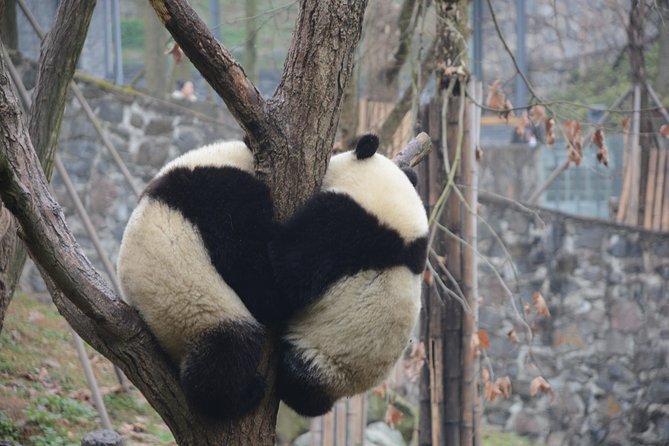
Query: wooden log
x=650 y=189
x=660 y=190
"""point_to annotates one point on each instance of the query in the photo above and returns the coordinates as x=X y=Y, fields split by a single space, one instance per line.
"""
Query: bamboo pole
x=650 y=188
x=632 y=211
x=661 y=189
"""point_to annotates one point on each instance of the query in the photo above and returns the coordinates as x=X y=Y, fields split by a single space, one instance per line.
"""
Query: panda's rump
x=359 y=328
x=166 y=273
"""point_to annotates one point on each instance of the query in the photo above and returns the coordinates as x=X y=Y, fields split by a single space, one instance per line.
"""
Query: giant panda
x=193 y=261
x=350 y=263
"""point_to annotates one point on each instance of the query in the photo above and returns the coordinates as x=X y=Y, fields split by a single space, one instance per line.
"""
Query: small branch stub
x=415 y=151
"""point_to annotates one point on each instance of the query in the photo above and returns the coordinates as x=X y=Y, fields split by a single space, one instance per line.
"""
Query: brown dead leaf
x=475 y=344
x=485 y=375
x=414 y=363
x=574 y=141
x=550 y=135
x=492 y=391
x=497 y=100
x=602 y=149
x=427 y=277
x=539 y=384
x=176 y=52
x=479 y=153
x=540 y=305
x=81 y=395
x=538 y=114
x=513 y=337
x=527 y=309
x=504 y=385
x=393 y=416
x=484 y=339
x=664 y=131
x=626 y=121
x=380 y=390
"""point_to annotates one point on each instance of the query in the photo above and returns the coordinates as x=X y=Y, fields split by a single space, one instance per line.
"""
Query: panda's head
x=379 y=186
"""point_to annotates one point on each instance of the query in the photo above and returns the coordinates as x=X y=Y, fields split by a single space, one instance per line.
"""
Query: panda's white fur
x=181 y=251
x=352 y=259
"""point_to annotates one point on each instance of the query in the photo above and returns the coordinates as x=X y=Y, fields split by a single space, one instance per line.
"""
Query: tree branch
x=216 y=64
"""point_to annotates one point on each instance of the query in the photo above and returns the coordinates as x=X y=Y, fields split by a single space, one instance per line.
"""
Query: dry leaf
x=513 y=337
x=527 y=309
x=414 y=363
x=484 y=339
x=602 y=149
x=475 y=344
x=550 y=135
x=539 y=384
x=540 y=305
x=380 y=390
x=427 y=277
x=523 y=123
x=497 y=100
x=485 y=375
x=574 y=141
x=393 y=416
x=504 y=385
x=538 y=114
x=479 y=153
x=176 y=52
x=664 y=131
x=626 y=124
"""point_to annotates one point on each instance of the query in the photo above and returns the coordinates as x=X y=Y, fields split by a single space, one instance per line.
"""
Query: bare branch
x=216 y=64
x=415 y=151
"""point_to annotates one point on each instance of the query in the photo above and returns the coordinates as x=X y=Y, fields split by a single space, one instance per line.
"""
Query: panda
x=350 y=264
x=191 y=262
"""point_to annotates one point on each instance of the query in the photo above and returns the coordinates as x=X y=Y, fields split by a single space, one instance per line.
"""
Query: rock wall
x=604 y=351
x=147 y=133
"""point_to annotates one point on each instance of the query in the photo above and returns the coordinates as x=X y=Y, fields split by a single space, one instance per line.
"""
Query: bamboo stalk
x=650 y=188
x=632 y=212
x=661 y=189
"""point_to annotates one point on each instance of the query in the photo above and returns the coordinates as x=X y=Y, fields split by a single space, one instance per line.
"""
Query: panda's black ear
x=366 y=146
x=411 y=174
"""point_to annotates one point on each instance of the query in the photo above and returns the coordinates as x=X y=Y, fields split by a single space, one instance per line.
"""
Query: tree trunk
x=9 y=34
x=58 y=59
x=250 y=48
x=291 y=136
x=155 y=62
x=661 y=78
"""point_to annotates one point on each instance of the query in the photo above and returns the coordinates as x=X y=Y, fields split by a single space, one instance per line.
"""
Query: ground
x=44 y=398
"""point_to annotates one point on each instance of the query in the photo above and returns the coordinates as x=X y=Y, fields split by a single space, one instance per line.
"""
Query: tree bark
x=9 y=34
x=58 y=60
x=661 y=78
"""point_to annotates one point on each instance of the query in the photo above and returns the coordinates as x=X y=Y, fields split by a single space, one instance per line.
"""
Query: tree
x=290 y=134
x=58 y=59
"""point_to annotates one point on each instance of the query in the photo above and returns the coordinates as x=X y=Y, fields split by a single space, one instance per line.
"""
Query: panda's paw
x=301 y=385
x=219 y=373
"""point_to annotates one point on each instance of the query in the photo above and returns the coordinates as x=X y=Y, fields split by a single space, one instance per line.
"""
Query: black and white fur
x=352 y=258
x=194 y=263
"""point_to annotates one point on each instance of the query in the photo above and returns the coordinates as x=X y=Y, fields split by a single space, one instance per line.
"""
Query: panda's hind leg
x=219 y=372
x=301 y=384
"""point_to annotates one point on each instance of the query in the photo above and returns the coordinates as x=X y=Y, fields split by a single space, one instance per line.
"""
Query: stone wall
x=147 y=133
x=605 y=349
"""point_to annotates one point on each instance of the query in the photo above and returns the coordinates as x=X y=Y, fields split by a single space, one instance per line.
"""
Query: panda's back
x=359 y=327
